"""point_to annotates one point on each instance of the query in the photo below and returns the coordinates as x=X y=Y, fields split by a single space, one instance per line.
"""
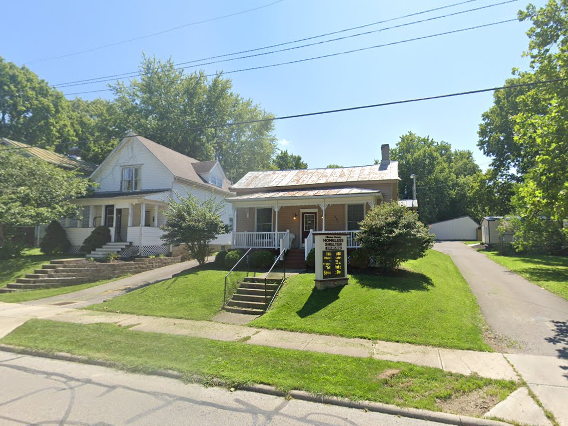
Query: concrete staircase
x=102 y=252
x=250 y=296
x=294 y=259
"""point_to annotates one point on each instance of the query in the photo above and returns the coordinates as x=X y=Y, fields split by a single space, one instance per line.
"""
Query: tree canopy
x=286 y=161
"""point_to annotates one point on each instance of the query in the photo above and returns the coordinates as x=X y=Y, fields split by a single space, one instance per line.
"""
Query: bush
x=537 y=234
x=359 y=259
x=220 y=258
x=261 y=259
x=232 y=258
x=98 y=238
x=311 y=259
x=392 y=234
x=55 y=239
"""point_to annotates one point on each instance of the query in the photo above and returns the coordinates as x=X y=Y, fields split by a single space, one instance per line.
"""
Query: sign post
x=331 y=259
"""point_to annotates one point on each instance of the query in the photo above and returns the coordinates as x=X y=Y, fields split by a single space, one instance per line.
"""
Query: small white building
x=461 y=228
x=489 y=232
x=135 y=182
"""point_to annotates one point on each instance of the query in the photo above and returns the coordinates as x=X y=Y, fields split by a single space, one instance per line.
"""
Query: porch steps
x=102 y=252
x=294 y=259
x=251 y=298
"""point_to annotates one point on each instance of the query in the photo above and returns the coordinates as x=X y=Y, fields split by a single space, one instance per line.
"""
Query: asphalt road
x=533 y=320
x=48 y=392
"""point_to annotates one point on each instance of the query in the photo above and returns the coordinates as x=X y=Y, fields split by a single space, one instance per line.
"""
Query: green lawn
x=429 y=303
x=196 y=294
x=235 y=363
x=549 y=272
x=31 y=259
x=27 y=295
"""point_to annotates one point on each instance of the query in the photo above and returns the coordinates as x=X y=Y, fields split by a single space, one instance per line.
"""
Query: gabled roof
x=60 y=160
x=387 y=170
x=204 y=166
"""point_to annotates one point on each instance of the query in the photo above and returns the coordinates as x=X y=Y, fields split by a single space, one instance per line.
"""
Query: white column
x=130 y=215
x=91 y=217
x=142 y=214
x=276 y=241
x=323 y=206
x=234 y=227
x=155 y=216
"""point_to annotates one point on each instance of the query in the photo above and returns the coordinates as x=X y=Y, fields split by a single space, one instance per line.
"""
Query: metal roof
x=305 y=193
x=60 y=160
x=386 y=170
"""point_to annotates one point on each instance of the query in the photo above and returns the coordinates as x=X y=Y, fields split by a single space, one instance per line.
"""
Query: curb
x=446 y=418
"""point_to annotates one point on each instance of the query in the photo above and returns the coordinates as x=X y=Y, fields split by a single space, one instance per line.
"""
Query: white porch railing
x=258 y=239
x=351 y=242
x=284 y=244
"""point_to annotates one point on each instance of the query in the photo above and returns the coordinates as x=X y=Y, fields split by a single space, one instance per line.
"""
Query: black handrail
x=232 y=269
x=278 y=259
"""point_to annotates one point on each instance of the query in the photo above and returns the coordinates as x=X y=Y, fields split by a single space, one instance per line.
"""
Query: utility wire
x=333 y=111
x=337 y=53
x=155 y=34
x=134 y=73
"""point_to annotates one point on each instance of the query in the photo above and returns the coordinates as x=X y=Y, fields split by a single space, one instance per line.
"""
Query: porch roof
x=125 y=194
x=305 y=193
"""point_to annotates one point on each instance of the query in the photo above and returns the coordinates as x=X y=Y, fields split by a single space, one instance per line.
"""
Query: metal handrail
x=232 y=269
x=278 y=259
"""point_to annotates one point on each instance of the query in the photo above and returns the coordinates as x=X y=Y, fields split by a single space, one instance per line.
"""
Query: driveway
x=532 y=319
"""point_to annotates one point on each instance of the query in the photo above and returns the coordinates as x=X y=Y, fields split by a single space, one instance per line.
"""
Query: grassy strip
x=24 y=296
x=18 y=267
x=549 y=272
x=429 y=303
x=238 y=363
x=197 y=294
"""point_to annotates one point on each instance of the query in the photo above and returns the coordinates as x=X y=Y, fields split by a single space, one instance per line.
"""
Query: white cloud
x=284 y=142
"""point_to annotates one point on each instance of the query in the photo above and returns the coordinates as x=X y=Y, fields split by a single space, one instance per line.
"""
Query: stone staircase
x=250 y=296
x=102 y=252
x=68 y=272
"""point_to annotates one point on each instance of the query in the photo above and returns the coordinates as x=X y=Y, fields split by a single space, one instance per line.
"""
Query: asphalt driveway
x=533 y=320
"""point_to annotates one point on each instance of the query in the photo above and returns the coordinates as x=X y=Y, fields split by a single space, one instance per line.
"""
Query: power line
x=134 y=73
x=330 y=55
x=333 y=111
x=155 y=34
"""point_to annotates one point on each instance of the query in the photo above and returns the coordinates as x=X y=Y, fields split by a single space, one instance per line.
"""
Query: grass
x=428 y=303
x=196 y=294
x=27 y=295
x=236 y=364
x=547 y=271
x=18 y=267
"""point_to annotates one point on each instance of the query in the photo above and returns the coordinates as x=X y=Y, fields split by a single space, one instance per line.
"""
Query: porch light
x=295 y=216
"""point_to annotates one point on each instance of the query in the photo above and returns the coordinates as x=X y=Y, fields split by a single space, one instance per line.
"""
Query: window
x=86 y=217
x=130 y=179
x=215 y=180
x=355 y=214
x=264 y=220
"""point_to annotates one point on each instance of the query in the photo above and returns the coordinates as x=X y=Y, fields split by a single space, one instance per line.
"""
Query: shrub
x=98 y=238
x=261 y=259
x=311 y=259
x=536 y=234
x=111 y=257
x=232 y=258
x=220 y=258
x=55 y=239
x=392 y=234
x=359 y=259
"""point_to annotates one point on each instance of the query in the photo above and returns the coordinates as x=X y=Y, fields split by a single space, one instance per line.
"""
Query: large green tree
x=443 y=177
x=285 y=161
x=33 y=192
x=194 y=115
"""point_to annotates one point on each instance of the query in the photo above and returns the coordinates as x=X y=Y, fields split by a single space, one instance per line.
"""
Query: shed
x=461 y=228
x=489 y=232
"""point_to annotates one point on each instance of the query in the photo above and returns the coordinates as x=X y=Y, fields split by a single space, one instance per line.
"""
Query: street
x=50 y=392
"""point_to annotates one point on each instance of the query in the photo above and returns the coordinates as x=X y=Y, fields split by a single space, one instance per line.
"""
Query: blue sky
x=37 y=34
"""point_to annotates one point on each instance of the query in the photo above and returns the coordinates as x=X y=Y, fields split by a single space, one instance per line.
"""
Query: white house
x=461 y=228
x=135 y=181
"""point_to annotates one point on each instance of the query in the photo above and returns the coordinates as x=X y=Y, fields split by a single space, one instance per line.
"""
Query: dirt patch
x=499 y=343
x=388 y=373
x=475 y=403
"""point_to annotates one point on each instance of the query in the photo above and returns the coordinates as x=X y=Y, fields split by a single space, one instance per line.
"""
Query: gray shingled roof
x=204 y=166
x=285 y=178
x=180 y=165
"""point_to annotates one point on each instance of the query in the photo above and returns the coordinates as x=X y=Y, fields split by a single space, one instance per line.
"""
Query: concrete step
x=253 y=291
x=8 y=290
x=64 y=280
x=260 y=286
x=247 y=305
x=258 y=298
x=261 y=280
x=245 y=311
x=36 y=286
x=67 y=261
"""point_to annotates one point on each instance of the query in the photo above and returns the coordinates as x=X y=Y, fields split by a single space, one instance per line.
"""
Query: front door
x=118 y=227
x=309 y=223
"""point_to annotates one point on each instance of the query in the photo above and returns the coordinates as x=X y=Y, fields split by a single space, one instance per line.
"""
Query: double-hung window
x=130 y=179
x=355 y=214
x=264 y=219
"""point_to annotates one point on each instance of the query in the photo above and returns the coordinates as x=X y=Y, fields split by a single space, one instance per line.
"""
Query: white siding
x=203 y=194
x=462 y=228
x=154 y=175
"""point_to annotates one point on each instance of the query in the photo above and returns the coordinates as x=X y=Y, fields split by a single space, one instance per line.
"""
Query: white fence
x=258 y=239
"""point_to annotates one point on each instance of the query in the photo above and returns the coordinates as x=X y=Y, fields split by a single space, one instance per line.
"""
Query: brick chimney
x=385 y=153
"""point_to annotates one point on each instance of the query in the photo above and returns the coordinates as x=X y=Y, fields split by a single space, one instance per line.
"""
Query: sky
x=66 y=41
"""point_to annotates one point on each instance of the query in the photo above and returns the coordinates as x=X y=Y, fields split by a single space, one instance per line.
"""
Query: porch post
x=130 y=207
x=142 y=214
x=91 y=217
x=323 y=206
x=155 y=216
x=276 y=242
x=234 y=230
x=113 y=232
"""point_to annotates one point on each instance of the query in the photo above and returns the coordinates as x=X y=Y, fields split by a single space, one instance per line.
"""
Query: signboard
x=331 y=254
